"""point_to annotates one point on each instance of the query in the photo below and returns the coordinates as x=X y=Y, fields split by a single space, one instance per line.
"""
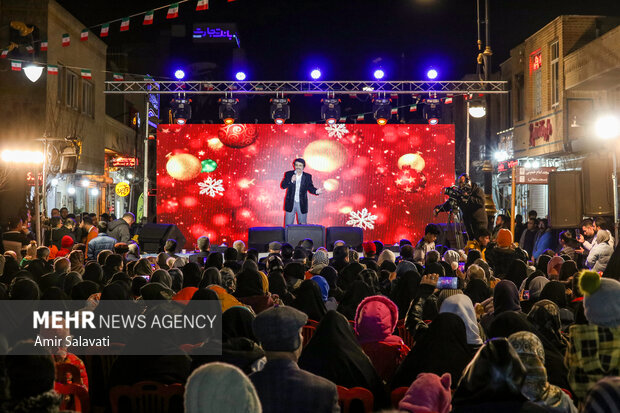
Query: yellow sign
x=122 y=189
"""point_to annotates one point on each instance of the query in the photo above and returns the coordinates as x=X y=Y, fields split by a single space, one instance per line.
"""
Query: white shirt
x=297 y=186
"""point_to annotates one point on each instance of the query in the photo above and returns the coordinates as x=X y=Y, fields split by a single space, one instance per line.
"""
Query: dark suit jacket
x=199 y=258
x=283 y=387
x=306 y=186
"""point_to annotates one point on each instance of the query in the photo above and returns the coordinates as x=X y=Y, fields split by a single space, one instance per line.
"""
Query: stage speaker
x=296 y=233
x=565 y=202
x=153 y=237
x=260 y=237
x=598 y=190
x=354 y=237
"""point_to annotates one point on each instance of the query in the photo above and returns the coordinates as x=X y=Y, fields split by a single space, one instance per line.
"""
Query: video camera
x=456 y=194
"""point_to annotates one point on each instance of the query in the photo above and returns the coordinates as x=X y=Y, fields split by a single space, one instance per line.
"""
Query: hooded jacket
x=119 y=229
x=375 y=320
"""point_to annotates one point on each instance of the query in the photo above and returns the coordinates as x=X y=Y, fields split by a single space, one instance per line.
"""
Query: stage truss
x=307 y=87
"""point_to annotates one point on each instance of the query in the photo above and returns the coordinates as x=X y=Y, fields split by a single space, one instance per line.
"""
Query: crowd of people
x=523 y=322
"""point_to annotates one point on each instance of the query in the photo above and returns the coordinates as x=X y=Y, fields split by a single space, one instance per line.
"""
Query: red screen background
x=395 y=172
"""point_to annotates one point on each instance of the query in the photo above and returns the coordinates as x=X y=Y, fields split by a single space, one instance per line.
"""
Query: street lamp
x=33 y=72
x=607 y=127
x=476 y=111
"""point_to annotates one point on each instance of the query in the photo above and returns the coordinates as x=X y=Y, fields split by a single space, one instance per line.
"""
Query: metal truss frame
x=400 y=87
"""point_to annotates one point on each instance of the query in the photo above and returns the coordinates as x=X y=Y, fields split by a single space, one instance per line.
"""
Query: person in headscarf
x=352 y=297
x=162 y=259
x=386 y=255
x=601 y=252
x=405 y=288
x=82 y=290
x=294 y=273
x=568 y=270
x=210 y=276
x=143 y=267
x=462 y=306
x=553 y=267
x=308 y=299
x=556 y=291
x=476 y=393
x=177 y=279
x=161 y=276
x=517 y=272
x=69 y=281
x=428 y=393
x=93 y=272
x=334 y=353
x=542 y=263
x=228 y=279
x=76 y=258
x=375 y=320
x=216 y=260
x=477 y=290
x=512 y=322
x=250 y=291
x=488 y=272
x=331 y=276
x=277 y=285
x=505 y=298
x=472 y=256
x=156 y=291
x=237 y=322
x=536 y=387
x=442 y=348
x=320 y=260
x=226 y=300
x=349 y=274
x=330 y=302
x=536 y=286
x=545 y=317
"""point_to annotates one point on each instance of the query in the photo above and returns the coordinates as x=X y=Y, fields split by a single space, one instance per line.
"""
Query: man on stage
x=297 y=184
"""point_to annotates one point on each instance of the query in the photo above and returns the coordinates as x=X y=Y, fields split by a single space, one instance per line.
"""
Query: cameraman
x=471 y=203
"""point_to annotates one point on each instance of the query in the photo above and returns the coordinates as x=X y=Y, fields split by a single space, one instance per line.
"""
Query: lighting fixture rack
x=306 y=87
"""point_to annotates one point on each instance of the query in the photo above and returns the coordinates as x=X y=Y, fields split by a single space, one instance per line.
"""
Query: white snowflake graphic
x=337 y=130
x=362 y=219
x=211 y=187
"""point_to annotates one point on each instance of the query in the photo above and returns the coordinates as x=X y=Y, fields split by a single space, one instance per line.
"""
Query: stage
x=221 y=180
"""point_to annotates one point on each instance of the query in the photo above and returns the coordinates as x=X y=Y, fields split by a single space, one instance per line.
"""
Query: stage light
x=607 y=127
x=71 y=190
x=477 y=111
x=315 y=74
x=179 y=74
x=433 y=121
x=228 y=111
x=432 y=74
x=500 y=156
x=280 y=110
x=330 y=111
x=240 y=76
x=379 y=74
x=432 y=111
x=181 y=110
x=94 y=191
x=382 y=111
x=33 y=72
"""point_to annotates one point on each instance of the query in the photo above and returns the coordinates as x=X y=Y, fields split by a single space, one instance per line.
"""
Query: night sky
x=282 y=39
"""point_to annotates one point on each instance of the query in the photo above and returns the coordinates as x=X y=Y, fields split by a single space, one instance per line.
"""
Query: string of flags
x=104 y=28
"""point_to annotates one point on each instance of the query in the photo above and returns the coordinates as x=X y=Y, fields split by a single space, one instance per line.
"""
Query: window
x=88 y=105
x=71 y=90
x=555 y=74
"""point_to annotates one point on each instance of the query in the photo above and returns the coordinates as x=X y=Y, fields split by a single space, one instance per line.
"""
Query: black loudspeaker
x=296 y=233
x=598 y=190
x=354 y=237
x=153 y=237
x=260 y=237
x=565 y=202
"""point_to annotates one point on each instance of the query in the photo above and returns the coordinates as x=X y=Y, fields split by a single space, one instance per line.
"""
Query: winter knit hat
x=445 y=294
x=601 y=299
x=66 y=242
x=369 y=247
x=452 y=257
x=219 y=387
x=604 y=396
x=428 y=393
x=504 y=238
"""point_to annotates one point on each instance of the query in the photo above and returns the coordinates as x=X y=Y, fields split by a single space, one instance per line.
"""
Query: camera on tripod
x=456 y=194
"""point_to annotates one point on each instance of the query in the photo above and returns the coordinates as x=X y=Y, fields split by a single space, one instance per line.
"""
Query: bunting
x=173 y=11
x=66 y=40
x=105 y=29
x=44 y=45
x=16 y=66
x=84 y=35
x=52 y=69
x=86 y=74
x=125 y=24
x=202 y=5
x=148 y=18
x=5 y=53
x=118 y=77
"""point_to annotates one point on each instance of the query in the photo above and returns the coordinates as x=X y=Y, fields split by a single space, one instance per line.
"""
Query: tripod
x=455 y=223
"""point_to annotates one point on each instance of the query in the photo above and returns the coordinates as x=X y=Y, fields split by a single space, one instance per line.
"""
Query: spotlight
x=432 y=74
x=330 y=111
x=379 y=74
x=382 y=111
x=280 y=110
x=228 y=111
x=71 y=190
x=179 y=74
x=477 y=111
x=33 y=72
x=240 y=76
x=94 y=191
x=181 y=110
x=607 y=127
x=315 y=74
x=432 y=111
